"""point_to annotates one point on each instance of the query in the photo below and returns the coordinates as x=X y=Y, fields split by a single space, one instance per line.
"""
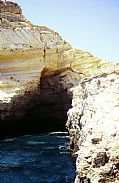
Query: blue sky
x=90 y=25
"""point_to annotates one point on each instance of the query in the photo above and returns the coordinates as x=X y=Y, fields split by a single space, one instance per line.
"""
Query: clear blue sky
x=90 y=25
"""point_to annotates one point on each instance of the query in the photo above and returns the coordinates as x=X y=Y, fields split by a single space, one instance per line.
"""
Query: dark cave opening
x=46 y=110
x=54 y=102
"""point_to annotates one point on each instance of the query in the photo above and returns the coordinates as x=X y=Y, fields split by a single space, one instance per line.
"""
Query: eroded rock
x=93 y=124
x=35 y=93
x=35 y=77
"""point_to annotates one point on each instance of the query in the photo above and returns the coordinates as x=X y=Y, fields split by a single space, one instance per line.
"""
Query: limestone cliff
x=93 y=124
x=35 y=93
x=10 y=12
x=34 y=78
x=27 y=51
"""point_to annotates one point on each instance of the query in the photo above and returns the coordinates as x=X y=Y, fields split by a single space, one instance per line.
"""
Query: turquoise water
x=41 y=158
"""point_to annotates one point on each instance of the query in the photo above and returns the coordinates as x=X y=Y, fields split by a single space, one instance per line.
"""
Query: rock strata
x=39 y=71
x=35 y=77
x=10 y=11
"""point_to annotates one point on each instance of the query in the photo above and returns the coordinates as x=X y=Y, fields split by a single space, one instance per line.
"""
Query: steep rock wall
x=34 y=79
x=35 y=94
x=93 y=124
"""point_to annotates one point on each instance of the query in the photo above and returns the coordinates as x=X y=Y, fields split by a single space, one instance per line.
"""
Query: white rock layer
x=93 y=124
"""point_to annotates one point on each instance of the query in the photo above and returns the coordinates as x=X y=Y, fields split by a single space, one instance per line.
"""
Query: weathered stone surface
x=10 y=7
x=35 y=92
x=28 y=53
x=11 y=12
x=93 y=124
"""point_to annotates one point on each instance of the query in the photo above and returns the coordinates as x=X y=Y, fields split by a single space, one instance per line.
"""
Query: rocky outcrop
x=10 y=12
x=38 y=73
x=35 y=77
x=10 y=7
x=93 y=124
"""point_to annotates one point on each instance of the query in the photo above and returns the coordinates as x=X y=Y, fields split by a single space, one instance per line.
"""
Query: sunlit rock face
x=10 y=12
x=34 y=79
x=36 y=92
x=93 y=124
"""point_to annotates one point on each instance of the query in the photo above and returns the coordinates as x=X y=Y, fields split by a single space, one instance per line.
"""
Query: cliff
x=37 y=71
x=10 y=12
x=34 y=73
x=93 y=124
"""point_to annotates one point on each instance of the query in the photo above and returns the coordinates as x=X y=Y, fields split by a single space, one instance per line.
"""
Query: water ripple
x=37 y=159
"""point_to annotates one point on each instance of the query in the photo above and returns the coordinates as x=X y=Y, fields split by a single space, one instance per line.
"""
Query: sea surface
x=43 y=158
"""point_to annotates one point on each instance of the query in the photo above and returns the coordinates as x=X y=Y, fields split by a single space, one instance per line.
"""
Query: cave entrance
x=45 y=110
x=54 y=102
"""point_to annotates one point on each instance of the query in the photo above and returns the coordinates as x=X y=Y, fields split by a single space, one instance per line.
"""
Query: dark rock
x=101 y=159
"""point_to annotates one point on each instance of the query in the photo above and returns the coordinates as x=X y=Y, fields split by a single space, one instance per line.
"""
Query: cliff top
x=11 y=15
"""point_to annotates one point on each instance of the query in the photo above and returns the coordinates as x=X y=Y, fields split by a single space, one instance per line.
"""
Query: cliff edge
x=93 y=124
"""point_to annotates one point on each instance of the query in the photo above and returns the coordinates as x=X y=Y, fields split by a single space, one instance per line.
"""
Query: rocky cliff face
x=34 y=78
x=37 y=71
x=10 y=12
x=93 y=124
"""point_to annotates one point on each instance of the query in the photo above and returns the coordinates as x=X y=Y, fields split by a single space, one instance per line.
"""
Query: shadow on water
x=41 y=158
x=35 y=158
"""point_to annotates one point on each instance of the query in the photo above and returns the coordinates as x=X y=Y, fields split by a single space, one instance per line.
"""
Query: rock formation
x=93 y=124
x=10 y=12
x=26 y=53
x=36 y=77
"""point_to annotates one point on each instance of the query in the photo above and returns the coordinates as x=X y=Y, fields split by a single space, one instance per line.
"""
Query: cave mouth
x=48 y=114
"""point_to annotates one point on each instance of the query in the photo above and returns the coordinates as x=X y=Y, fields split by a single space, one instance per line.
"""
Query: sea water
x=43 y=158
